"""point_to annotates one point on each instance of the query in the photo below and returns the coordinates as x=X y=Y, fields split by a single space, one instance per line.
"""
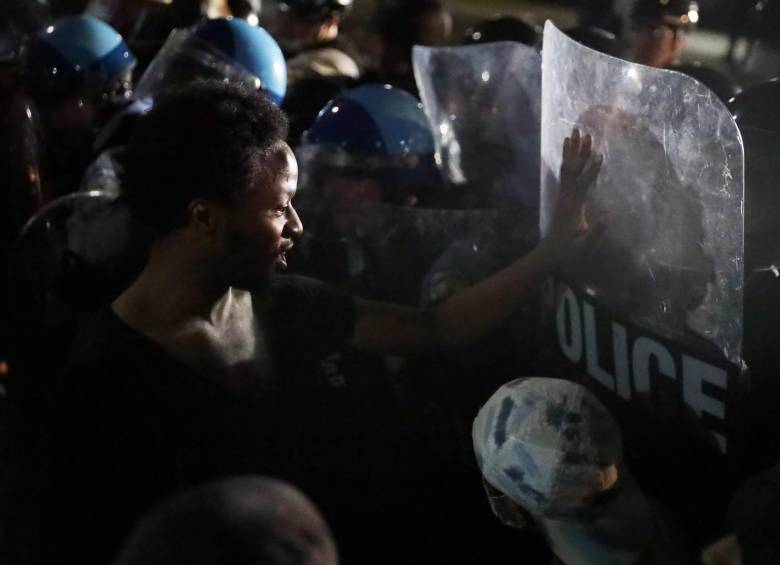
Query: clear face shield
x=24 y=192
x=653 y=311
x=483 y=102
x=110 y=96
x=186 y=57
x=672 y=184
x=75 y=254
x=376 y=215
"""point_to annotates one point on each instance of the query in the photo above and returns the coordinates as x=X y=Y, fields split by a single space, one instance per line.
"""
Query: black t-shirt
x=128 y=423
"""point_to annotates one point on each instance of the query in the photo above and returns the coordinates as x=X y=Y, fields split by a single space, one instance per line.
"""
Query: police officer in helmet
x=78 y=72
x=657 y=30
x=309 y=32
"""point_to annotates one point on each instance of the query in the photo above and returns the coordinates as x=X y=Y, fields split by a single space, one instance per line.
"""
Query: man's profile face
x=261 y=223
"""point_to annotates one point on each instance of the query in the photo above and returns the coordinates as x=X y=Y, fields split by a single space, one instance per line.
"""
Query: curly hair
x=207 y=140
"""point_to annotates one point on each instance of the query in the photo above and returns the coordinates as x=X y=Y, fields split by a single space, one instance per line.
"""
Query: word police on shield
x=653 y=312
x=639 y=366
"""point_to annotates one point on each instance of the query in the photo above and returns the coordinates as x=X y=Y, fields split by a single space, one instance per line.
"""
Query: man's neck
x=175 y=287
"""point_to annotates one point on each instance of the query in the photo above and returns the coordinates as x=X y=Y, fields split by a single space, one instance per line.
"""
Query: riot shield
x=22 y=193
x=483 y=104
x=20 y=165
x=390 y=252
x=74 y=256
x=371 y=190
x=185 y=57
x=67 y=253
x=653 y=312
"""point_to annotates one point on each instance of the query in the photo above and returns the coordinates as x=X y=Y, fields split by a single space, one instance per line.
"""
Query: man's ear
x=205 y=216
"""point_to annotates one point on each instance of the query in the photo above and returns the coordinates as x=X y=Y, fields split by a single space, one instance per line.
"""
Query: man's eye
x=282 y=210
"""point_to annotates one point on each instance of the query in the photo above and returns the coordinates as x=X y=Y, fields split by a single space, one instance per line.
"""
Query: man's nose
x=294 y=227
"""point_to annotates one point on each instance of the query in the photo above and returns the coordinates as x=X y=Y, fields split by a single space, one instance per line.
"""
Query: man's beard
x=246 y=267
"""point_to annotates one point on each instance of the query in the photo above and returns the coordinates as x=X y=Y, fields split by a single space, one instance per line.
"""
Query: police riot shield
x=653 y=311
x=20 y=165
x=73 y=256
x=371 y=227
x=22 y=192
x=48 y=290
x=397 y=251
x=484 y=104
x=184 y=57
x=371 y=187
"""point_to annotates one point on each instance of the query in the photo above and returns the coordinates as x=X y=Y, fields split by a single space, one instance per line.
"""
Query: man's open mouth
x=281 y=257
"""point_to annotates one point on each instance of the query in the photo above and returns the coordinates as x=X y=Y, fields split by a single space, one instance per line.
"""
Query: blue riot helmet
x=78 y=56
x=224 y=48
x=251 y=47
x=367 y=172
x=373 y=130
x=373 y=121
x=78 y=72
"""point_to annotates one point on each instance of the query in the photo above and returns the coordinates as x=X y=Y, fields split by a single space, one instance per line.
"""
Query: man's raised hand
x=570 y=227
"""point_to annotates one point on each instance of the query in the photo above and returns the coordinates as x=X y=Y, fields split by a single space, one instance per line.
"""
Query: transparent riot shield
x=653 y=312
x=483 y=103
x=185 y=57
x=68 y=256
x=71 y=258
x=371 y=232
x=22 y=192
x=369 y=229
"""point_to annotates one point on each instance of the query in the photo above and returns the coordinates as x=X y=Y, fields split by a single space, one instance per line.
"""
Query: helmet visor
x=185 y=58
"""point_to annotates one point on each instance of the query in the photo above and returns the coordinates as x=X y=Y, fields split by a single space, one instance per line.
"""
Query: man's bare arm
x=468 y=315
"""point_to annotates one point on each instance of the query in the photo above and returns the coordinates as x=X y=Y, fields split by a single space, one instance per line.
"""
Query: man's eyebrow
x=289 y=192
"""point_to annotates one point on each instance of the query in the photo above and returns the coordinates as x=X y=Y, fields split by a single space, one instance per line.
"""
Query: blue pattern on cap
x=506 y=409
